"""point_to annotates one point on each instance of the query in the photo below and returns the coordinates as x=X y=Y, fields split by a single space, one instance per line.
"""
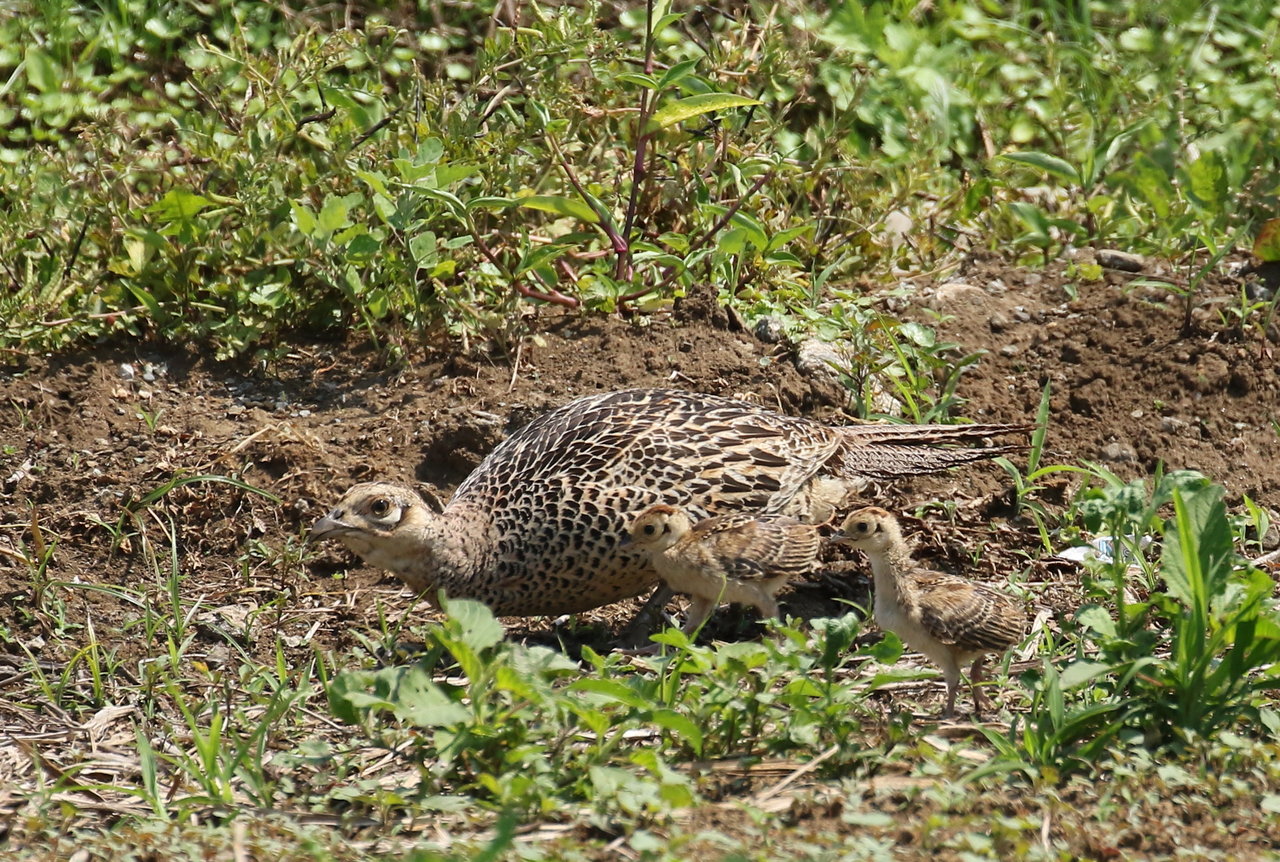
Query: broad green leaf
x=1197 y=556
x=1080 y=672
x=422 y=703
x=682 y=726
x=1151 y=183
x=666 y=21
x=333 y=215
x=376 y=181
x=304 y=219
x=477 y=625
x=1098 y=619
x=540 y=257
x=640 y=80
x=573 y=207
x=41 y=70
x=677 y=72
x=610 y=690
x=430 y=151
x=491 y=202
x=179 y=205
x=782 y=237
x=1208 y=186
x=447 y=175
x=695 y=106
x=423 y=249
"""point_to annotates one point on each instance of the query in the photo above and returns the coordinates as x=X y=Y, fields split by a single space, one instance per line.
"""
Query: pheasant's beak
x=330 y=525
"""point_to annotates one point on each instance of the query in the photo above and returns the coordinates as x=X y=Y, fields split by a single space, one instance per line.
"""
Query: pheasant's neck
x=446 y=551
x=888 y=568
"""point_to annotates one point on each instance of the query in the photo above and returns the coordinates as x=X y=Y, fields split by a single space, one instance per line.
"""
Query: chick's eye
x=379 y=507
x=648 y=529
x=864 y=527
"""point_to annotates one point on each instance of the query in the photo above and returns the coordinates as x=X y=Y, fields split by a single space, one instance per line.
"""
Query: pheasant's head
x=870 y=529
x=386 y=525
x=658 y=528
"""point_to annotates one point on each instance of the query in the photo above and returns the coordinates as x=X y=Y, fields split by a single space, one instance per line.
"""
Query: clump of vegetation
x=234 y=178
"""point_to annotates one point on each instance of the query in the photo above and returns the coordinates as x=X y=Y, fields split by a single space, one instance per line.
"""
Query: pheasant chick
x=949 y=619
x=738 y=557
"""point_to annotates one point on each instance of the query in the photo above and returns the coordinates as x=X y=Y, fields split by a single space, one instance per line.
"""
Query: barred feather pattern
x=950 y=619
x=536 y=528
x=740 y=557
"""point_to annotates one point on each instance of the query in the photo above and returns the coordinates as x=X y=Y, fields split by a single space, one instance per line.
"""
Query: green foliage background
x=234 y=175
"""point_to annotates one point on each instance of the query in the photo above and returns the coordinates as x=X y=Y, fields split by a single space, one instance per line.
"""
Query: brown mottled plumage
x=728 y=558
x=949 y=619
x=535 y=529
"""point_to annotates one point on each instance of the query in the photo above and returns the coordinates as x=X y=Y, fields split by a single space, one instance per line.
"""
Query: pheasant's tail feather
x=893 y=451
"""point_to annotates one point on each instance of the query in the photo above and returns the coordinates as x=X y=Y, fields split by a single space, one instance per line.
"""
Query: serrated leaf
x=572 y=207
x=1266 y=245
x=695 y=106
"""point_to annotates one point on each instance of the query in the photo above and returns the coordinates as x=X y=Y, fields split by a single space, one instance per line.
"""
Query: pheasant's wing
x=746 y=547
x=968 y=615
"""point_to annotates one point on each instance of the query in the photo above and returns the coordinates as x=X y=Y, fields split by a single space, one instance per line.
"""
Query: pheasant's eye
x=863 y=527
x=649 y=529
x=380 y=507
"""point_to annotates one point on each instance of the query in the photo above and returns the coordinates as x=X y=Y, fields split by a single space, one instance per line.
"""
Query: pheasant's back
x=561 y=492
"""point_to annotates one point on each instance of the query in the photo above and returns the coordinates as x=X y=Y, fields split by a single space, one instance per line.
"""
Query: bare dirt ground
x=86 y=438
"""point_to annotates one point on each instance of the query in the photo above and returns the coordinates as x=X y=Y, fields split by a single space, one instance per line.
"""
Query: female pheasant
x=535 y=529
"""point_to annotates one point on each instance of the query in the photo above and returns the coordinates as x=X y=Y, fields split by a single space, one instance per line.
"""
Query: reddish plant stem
x=623 y=271
x=700 y=241
x=549 y=295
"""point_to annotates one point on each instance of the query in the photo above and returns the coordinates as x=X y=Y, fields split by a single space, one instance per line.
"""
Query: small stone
x=1271 y=539
x=1010 y=350
x=126 y=371
x=1122 y=260
x=954 y=293
x=998 y=322
x=235 y=410
x=1021 y=315
x=1119 y=453
x=816 y=358
x=769 y=330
